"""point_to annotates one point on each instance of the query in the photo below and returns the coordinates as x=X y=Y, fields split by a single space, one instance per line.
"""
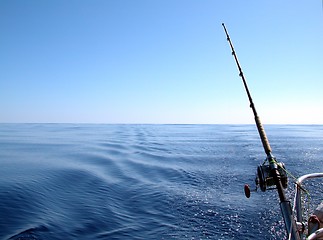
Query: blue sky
x=161 y=61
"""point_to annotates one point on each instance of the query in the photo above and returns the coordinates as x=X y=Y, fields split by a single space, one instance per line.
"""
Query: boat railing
x=298 y=202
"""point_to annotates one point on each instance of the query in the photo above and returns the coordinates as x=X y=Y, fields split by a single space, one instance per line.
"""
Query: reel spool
x=265 y=179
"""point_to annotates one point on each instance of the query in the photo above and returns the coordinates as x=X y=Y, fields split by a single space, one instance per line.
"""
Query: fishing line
x=292 y=176
x=301 y=187
x=304 y=191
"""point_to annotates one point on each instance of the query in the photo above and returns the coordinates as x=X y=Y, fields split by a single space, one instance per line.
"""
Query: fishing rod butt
x=290 y=223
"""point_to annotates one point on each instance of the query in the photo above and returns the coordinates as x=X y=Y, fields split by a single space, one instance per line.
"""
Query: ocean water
x=83 y=181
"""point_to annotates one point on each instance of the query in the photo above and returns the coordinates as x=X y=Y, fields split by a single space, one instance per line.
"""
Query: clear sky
x=160 y=61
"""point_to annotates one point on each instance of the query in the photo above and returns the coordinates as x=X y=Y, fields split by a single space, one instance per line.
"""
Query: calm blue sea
x=80 y=181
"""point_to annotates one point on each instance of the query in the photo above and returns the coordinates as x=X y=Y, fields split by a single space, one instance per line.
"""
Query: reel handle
x=247 y=190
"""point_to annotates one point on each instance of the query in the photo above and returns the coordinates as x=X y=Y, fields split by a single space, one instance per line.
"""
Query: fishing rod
x=270 y=173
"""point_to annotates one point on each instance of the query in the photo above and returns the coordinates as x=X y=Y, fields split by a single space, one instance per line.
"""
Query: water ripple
x=143 y=181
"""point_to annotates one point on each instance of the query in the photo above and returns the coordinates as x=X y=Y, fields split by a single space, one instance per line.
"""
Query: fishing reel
x=265 y=180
